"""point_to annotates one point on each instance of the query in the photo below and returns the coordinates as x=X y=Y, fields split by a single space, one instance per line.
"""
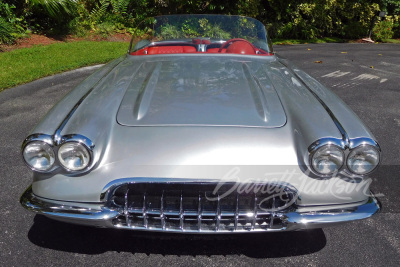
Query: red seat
x=170 y=50
x=241 y=47
x=215 y=50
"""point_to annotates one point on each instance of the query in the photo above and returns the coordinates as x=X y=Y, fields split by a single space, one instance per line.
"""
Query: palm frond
x=99 y=10
x=55 y=7
x=120 y=6
x=6 y=32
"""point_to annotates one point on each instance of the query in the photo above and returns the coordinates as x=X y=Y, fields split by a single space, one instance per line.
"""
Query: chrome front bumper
x=99 y=216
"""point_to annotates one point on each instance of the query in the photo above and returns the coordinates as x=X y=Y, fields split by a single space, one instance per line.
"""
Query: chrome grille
x=198 y=207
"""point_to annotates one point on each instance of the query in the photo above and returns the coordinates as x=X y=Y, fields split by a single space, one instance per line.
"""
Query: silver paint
x=166 y=151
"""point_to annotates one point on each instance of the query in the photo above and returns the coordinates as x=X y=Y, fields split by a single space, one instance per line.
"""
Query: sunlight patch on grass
x=27 y=64
x=391 y=41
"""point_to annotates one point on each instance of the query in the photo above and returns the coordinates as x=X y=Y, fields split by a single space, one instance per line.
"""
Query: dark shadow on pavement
x=56 y=235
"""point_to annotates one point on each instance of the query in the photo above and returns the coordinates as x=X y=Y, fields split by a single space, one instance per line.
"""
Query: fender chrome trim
x=57 y=134
x=339 y=126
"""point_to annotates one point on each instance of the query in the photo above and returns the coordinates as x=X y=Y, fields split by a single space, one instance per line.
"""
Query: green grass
x=311 y=41
x=27 y=64
x=391 y=41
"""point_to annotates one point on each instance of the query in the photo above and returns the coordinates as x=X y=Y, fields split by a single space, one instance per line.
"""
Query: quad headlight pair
x=73 y=154
x=329 y=159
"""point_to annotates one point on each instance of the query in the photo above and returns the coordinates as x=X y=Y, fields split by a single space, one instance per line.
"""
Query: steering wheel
x=235 y=40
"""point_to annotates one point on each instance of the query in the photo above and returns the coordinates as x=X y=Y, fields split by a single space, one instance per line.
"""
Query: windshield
x=203 y=33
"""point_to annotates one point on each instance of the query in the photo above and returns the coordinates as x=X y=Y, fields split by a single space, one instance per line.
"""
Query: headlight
x=39 y=156
x=363 y=159
x=327 y=159
x=73 y=156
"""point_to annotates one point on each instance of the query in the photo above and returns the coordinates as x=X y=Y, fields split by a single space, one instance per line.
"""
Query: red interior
x=157 y=50
x=241 y=47
x=215 y=50
x=170 y=50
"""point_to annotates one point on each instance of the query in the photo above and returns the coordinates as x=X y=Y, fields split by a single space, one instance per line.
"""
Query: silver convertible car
x=201 y=128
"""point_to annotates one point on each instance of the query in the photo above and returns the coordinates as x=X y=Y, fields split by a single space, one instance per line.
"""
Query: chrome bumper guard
x=99 y=215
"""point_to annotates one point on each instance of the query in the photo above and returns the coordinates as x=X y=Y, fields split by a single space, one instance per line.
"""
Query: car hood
x=202 y=92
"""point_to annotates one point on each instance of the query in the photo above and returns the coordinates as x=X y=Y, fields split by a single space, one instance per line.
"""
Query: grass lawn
x=391 y=41
x=311 y=41
x=27 y=64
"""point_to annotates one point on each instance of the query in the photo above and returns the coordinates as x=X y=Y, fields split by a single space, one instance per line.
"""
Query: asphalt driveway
x=365 y=76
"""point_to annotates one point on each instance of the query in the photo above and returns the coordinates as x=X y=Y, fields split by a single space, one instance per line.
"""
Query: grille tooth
x=237 y=211
x=271 y=220
x=162 y=215
x=199 y=214
x=181 y=212
x=253 y=224
x=128 y=220
x=144 y=211
x=185 y=207
x=218 y=218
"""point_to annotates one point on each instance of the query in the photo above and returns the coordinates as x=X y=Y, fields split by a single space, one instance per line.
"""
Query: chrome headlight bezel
x=347 y=147
x=361 y=147
x=44 y=139
x=55 y=146
x=319 y=148
x=82 y=141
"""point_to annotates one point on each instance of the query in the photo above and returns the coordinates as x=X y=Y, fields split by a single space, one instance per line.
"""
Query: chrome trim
x=56 y=139
x=345 y=136
x=253 y=223
x=107 y=190
x=38 y=137
x=80 y=213
x=79 y=139
x=199 y=213
x=221 y=216
x=181 y=212
x=97 y=215
x=271 y=222
x=347 y=148
x=236 y=212
x=130 y=46
x=309 y=220
x=218 y=213
x=162 y=211
x=86 y=142
x=363 y=141
x=145 y=210
x=345 y=143
x=326 y=141
x=126 y=209
x=57 y=134
x=363 y=144
x=56 y=145
x=45 y=138
x=322 y=143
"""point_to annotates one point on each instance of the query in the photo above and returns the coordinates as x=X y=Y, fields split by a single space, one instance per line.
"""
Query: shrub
x=105 y=29
x=396 y=26
x=6 y=32
x=383 y=30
